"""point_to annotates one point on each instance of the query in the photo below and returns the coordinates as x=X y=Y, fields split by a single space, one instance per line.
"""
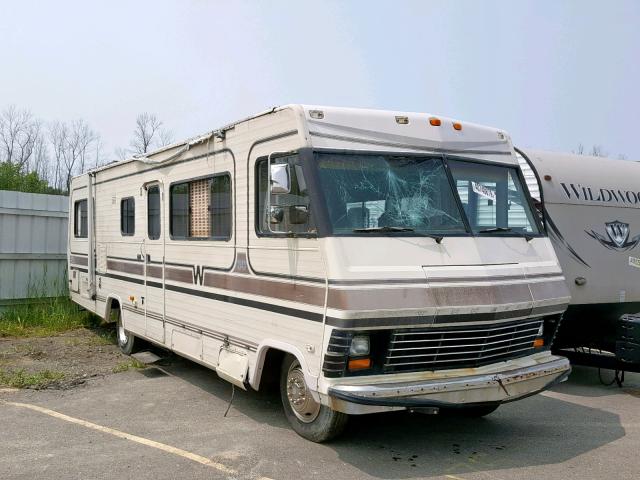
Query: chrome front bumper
x=457 y=391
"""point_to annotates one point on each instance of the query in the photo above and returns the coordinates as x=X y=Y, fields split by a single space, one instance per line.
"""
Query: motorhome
x=591 y=207
x=368 y=260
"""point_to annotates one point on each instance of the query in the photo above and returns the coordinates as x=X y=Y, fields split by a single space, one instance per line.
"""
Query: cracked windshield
x=492 y=198
x=386 y=193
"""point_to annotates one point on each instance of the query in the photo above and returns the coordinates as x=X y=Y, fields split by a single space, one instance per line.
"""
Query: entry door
x=154 y=263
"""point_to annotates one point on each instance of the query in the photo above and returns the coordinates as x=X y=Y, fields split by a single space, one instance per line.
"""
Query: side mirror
x=298 y=214
x=280 y=179
x=276 y=214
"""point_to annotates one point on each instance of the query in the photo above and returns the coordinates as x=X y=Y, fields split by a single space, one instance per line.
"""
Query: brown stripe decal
x=484 y=295
x=154 y=271
x=76 y=260
x=376 y=299
x=363 y=299
x=133 y=268
x=178 y=274
x=293 y=292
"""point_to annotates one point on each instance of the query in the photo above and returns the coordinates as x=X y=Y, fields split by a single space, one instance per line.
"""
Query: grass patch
x=104 y=336
x=23 y=379
x=123 y=367
x=45 y=318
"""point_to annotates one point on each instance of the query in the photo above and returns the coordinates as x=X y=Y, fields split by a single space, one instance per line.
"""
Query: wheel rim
x=122 y=334
x=300 y=399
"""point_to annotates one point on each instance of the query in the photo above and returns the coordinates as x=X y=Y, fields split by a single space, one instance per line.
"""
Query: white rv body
x=592 y=212
x=226 y=303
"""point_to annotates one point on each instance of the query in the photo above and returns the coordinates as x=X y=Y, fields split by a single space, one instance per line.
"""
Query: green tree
x=13 y=178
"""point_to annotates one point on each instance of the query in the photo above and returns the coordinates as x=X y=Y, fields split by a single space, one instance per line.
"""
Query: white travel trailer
x=340 y=250
x=592 y=213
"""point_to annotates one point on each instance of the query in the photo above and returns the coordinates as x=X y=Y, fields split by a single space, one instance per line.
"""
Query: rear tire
x=127 y=341
x=308 y=418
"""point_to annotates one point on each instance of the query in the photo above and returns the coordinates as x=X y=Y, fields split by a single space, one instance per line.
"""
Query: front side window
x=153 y=212
x=80 y=219
x=127 y=216
x=286 y=212
x=493 y=198
x=201 y=209
x=388 y=193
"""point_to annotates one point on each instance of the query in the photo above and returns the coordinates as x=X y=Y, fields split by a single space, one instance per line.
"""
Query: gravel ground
x=73 y=357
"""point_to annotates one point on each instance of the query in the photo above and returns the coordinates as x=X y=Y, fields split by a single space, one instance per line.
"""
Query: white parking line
x=134 y=438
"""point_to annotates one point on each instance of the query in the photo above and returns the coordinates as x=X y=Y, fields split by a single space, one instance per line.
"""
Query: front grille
x=463 y=347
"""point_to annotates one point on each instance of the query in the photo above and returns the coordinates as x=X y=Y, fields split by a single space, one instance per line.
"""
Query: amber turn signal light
x=359 y=363
x=538 y=342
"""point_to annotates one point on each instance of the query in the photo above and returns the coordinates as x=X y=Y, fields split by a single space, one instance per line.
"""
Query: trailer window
x=80 y=219
x=201 y=209
x=127 y=216
x=493 y=198
x=153 y=212
x=292 y=205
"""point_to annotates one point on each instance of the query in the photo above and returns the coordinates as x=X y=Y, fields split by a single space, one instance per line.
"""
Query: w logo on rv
x=618 y=233
x=198 y=274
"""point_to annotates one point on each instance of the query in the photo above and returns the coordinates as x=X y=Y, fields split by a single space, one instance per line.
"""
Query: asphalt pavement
x=168 y=423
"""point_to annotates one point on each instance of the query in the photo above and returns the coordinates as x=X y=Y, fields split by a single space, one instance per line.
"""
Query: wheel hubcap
x=300 y=398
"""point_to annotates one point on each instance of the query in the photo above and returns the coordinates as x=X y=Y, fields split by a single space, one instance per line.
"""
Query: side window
x=153 y=212
x=201 y=209
x=179 y=208
x=127 y=216
x=220 y=206
x=80 y=219
x=290 y=212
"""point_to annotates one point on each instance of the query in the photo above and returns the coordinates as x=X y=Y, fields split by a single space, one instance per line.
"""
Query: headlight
x=359 y=346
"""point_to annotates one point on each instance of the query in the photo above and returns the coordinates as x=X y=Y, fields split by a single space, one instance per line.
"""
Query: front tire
x=126 y=340
x=309 y=419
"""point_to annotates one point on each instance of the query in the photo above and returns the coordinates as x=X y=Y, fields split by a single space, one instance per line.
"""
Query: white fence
x=33 y=246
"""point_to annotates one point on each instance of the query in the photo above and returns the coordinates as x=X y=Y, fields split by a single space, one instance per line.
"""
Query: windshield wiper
x=437 y=238
x=383 y=229
x=495 y=229
x=528 y=237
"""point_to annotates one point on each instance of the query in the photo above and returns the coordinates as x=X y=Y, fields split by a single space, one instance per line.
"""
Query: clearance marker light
x=402 y=120
x=435 y=122
x=538 y=342
x=457 y=126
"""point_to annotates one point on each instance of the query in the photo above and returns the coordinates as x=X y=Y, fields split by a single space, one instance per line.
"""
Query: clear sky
x=552 y=73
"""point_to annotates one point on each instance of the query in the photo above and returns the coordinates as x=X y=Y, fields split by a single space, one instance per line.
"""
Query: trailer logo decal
x=198 y=274
x=618 y=233
x=606 y=195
